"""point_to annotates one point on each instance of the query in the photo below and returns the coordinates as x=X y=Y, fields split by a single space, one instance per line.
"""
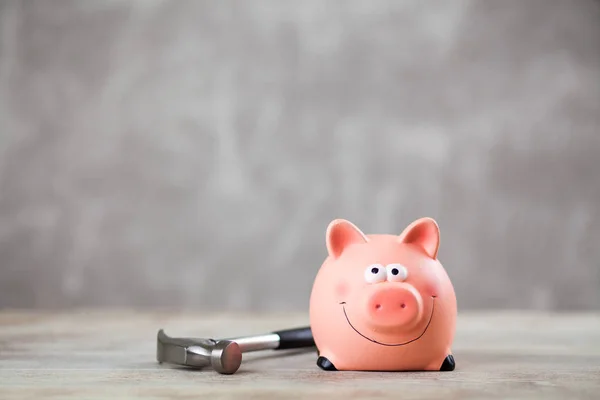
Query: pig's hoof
x=325 y=364
x=448 y=364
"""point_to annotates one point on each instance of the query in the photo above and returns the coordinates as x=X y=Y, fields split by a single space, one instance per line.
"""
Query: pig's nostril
x=378 y=306
x=403 y=305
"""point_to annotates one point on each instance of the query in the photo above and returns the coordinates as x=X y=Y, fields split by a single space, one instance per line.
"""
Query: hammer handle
x=295 y=338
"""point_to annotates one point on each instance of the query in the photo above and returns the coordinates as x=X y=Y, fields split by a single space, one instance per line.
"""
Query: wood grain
x=111 y=354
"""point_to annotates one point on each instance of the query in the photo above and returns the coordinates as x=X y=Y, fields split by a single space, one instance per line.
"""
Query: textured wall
x=192 y=153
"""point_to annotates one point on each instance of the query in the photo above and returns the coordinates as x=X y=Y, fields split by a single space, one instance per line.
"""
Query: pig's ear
x=341 y=234
x=424 y=233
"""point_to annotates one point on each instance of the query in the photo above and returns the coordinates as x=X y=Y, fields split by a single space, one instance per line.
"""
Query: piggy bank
x=383 y=302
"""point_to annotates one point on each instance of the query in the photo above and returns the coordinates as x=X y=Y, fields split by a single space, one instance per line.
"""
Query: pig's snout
x=395 y=306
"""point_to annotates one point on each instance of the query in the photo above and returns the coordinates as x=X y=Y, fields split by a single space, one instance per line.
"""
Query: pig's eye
x=396 y=272
x=375 y=273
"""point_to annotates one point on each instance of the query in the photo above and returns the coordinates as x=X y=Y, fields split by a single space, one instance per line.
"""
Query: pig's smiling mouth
x=343 y=303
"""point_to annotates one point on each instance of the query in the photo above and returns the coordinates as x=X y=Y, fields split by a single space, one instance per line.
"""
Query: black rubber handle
x=295 y=338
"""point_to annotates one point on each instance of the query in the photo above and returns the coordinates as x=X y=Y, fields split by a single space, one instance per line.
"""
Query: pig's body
x=400 y=320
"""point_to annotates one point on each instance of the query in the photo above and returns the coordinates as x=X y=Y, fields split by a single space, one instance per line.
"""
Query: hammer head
x=224 y=356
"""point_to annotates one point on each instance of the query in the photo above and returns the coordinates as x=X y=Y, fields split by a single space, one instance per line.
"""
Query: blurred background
x=191 y=154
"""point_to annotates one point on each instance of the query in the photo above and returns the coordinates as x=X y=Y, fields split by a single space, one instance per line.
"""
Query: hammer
x=225 y=355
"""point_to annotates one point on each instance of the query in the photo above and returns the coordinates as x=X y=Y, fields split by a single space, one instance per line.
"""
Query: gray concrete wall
x=192 y=153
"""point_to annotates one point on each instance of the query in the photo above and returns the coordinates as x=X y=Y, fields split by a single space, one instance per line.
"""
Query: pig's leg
x=325 y=364
x=448 y=364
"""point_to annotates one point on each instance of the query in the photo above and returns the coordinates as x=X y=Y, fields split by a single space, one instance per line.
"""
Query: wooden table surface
x=111 y=354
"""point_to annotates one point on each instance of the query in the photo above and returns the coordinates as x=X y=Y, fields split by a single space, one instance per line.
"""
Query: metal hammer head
x=224 y=356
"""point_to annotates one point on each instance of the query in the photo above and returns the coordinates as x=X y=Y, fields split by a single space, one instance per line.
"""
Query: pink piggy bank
x=383 y=302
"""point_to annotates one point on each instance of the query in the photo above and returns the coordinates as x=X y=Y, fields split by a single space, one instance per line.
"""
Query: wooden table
x=111 y=354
